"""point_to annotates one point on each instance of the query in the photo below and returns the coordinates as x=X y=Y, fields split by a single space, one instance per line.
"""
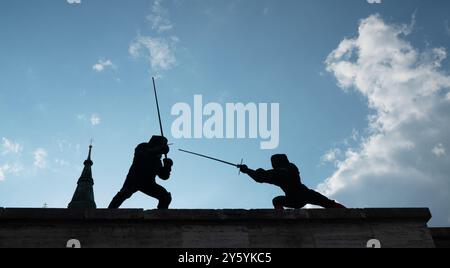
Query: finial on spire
x=88 y=160
x=90 y=150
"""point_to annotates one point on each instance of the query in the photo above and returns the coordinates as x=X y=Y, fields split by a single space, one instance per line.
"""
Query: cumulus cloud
x=9 y=169
x=101 y=65
x=11 y=147
x=40 y=158
x=159 y=18
x=331 y=156
x=374 y=1
x=158 y=51
x=95 y=120
x=407 y=93
x=2 y=173
x=74 y=2
x=439 y=150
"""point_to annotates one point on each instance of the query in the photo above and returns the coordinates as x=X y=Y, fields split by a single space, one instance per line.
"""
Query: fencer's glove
x=168 y=162
x=244 y=169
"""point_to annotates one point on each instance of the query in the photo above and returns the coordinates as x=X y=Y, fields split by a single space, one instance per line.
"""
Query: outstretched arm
x=260 y=175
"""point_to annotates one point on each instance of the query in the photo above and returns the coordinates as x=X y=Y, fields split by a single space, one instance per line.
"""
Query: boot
x=338 y=206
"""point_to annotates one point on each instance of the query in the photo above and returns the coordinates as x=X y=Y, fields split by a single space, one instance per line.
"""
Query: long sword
x=211 y=158
x=157 y=106
x=159 y=111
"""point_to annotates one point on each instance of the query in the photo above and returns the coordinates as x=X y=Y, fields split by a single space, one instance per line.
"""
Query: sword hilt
x=239 y=166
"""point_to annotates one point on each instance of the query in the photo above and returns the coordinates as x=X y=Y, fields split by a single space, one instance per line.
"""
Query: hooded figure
x=287 y=176
x=142 y=175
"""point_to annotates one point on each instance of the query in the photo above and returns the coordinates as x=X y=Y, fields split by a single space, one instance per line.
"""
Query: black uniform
x=142 y=175
x=287 y=176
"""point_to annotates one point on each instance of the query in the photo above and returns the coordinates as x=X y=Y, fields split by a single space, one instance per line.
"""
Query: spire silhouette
x=84 y=194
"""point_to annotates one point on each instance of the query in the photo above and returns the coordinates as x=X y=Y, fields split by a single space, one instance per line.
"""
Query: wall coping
x=368 y=214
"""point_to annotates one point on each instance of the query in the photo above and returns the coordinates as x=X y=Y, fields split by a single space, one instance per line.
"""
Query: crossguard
x=242 y=162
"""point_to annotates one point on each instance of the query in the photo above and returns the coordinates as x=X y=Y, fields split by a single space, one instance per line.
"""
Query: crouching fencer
x=286 y=175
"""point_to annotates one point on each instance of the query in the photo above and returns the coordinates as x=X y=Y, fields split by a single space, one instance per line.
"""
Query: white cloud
x=355 y=135
x=374 y=1
x=95 y=120
x=406 y=90
x=332 y=155
x=11 y=147
x=2 y=173
x=439 y=150
x=74 y=2
x=158 y=51
x=40 y=158
x=101 y=65
x=9 y=169
x=159 y=18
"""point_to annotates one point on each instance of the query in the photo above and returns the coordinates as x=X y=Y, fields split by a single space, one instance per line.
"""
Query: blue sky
x=68 y=74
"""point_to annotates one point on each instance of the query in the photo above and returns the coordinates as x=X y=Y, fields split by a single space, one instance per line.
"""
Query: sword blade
x=209 y=157
x=159 y=111
x=157 y=106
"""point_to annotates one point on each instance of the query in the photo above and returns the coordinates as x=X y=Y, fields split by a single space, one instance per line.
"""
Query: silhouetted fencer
x=287 y=176
x=142 y=175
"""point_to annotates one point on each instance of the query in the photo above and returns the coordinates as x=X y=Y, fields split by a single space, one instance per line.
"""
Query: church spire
x=84 y=194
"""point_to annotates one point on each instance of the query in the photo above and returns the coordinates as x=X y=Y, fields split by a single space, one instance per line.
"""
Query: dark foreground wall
x=441 y=237
x=215 y=228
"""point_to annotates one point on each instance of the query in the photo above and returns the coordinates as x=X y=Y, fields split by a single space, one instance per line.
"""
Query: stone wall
x=352 y=228
x=441 y=237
